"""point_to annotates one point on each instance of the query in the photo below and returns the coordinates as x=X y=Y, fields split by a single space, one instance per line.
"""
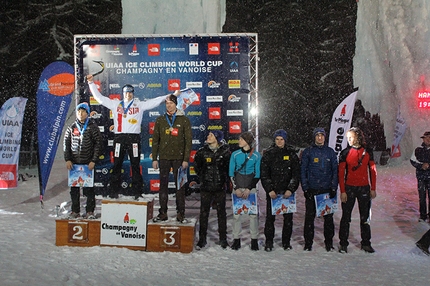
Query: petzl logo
x=214 y=49
x=214 y=112
x=153 y=49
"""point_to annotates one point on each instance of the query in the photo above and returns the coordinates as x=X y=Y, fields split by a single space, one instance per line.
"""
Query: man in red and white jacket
x=127 y=119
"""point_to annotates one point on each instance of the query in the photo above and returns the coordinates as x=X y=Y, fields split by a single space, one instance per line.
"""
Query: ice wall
x=173 y=17
x=391 y=64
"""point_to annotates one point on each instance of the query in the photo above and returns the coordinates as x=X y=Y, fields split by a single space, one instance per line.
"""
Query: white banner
x=12 y=114
x=341 y=122
x=399 y=131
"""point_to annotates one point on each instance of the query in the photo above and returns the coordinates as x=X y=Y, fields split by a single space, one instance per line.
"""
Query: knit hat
x=282 y=133
x=319 y=130
x=248 y=137
x=172 y=98
x=219 y=135
x=427 y=133
x=83 y=105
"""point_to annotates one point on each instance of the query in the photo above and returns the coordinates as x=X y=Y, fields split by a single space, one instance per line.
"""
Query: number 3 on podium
x=170 y=237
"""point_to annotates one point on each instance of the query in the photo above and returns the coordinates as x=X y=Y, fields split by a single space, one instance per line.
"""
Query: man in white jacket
x=127 y=118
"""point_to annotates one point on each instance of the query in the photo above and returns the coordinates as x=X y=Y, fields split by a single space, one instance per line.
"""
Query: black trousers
x=424 y=194
x=163 y=193
x=308 y=230
x=75 y=196
x=362 y=194
x=206 y=200
x=128 y=144
x=269 y=227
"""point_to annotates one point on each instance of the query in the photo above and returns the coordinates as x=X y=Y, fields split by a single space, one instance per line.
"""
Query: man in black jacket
x=211 y=165
x=82 y=145
x=280 y=174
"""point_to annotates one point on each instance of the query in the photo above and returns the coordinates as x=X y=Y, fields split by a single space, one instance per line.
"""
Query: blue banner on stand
x=54 y=94
x=12 y=114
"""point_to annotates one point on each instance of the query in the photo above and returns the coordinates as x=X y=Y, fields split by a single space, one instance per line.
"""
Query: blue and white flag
x=11 y=114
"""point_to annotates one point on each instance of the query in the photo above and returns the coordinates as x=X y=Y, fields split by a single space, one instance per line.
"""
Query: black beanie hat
x=248 y=137
x=172 y=98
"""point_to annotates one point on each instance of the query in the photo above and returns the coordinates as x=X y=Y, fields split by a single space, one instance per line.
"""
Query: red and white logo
x=154 y=185
x=233 y=47
x=174 y=84
x=214 y=49
x=197 y=101
x=151 y=127
x=235 y=127
x=153 y=49
x=214 y=112
x=192 y=155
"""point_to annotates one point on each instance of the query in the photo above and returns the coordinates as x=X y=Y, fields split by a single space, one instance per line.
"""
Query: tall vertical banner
x=399 y=131
x=54 y=94
x=12 y=114
x=341 y=122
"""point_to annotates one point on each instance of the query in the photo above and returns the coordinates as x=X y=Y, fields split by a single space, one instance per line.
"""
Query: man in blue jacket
x=318 y=176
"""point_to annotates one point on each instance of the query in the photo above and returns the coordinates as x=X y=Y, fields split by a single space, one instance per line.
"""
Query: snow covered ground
x=29 y=255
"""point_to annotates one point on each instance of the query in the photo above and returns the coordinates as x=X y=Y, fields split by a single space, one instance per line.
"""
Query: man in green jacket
x=171 y=147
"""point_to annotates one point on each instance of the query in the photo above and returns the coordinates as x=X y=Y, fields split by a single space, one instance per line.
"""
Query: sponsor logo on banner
x=154 y=113
x=233 y=98
x=174 y=84
x=151 y=127
x=150 y=142
x=115 y=51
x=154 y=85
x=235 y=127
x=193 y=49
x=215 y=127
x=134 y=52
x=197 y=101
x=233 y=47
x=214 y=98
x=213 y=84
x=194 y=113
x=233 y=83
x=174 y=50
x=233 y=141
x=214 y=112
x=234 y=67
x=115 y=96
x=152 y=171
x=153 y=49
x=237 y=112
x=196 y=142
x=192 y=155
x=200 y=127
x=93 y=101
x=214 y=49
x=192 y=171
x=114 y=85
x=194 y=84
x=154 y=185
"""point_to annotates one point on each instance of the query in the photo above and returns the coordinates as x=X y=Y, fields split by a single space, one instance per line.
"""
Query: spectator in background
x=420 y=160
x=319 y=176
x=211 y=165
x=82 y=145
x=280 y=175
x=357 y=181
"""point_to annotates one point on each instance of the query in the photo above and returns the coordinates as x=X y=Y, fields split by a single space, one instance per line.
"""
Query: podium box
x=171 y=236
x=124 y=223
x=81 y=233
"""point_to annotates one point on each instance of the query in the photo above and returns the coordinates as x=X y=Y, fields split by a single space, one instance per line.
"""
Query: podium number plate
x=170 y=237
x=77 y=232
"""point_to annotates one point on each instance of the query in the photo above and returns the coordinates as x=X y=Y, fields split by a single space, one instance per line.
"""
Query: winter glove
x=309 y=195
x=333 y=193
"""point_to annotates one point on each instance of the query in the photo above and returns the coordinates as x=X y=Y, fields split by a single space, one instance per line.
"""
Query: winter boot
x=254 y=244
x=202 y=242
x=269 y=246
x=236 y=244
x=223 y=243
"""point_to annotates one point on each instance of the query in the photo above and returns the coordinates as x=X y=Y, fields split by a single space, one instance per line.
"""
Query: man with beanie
x=82 y=145
x=244 y=171
x=280 y=175
x=171 y=147
x=421 y=161
x=127 y=118
x=319 y=175
x=211 y=165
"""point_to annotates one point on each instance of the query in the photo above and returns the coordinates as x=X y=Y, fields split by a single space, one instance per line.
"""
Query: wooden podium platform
x=171 y=236
x=81 y=233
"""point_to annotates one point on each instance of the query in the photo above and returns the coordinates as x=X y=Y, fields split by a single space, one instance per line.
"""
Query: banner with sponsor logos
x=341 y=122
x=216 y=67
x=399 y=131
x=11 y=114
x=54 y=94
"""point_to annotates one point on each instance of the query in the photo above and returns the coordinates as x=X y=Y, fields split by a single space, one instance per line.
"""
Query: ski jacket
x=356 y=168
x=131 y=123
x=167 y=145
x=319 y=168
x=212 y=166
x=252 y=165
x=82 y=149
x=421 y=155
x=280 y=169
